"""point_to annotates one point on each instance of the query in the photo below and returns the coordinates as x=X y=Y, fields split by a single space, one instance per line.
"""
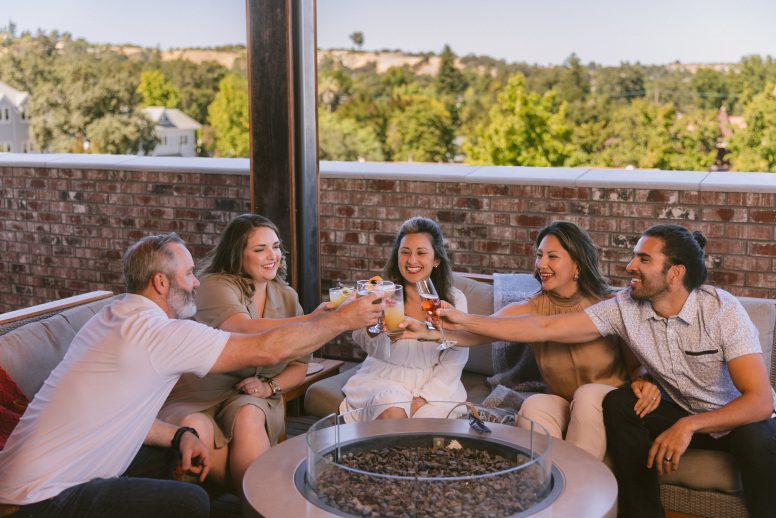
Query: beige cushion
x=479 y=297
x=763 y=314
x=706 y=469
x=29 y=353
x=323 y=397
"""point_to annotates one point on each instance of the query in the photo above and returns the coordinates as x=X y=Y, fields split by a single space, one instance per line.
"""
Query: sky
x=544 y=32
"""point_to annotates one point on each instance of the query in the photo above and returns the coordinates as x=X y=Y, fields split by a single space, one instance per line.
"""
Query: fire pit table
x=314 y=475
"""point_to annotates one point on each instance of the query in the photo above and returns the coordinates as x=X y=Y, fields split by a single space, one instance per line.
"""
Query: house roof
x=170 y=118
x=13 y=95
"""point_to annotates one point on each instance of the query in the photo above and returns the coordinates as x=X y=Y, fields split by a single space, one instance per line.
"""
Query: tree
x=156 y=90
x=66 y=111
x=197 y=85
x=344 y=139
x=421 y=131
x=644 y=135
x=449 y=80
x=525 y=128
x=228 y=114
x=711 y=87
x=574 y=80
x=121 y=134
x=754 y=73
x=754 y=148
x=334 y=83
x=622 y=83
x=358 y=39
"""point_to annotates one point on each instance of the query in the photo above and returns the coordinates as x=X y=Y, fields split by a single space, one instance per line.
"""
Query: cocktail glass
x=364 y=287
x=338 y=294
x=430 y=302
x=393 y=314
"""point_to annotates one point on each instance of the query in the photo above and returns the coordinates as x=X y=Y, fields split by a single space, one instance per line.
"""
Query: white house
x=14 y=120
x=177 y=131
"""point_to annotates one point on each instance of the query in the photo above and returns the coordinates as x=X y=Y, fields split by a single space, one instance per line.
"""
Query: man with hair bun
x=704 y=382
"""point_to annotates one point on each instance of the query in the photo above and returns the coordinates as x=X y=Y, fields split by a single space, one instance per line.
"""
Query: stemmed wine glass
x=430 y=302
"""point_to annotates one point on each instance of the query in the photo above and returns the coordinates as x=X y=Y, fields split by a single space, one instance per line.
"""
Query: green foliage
x=524 y=129
x=421 y=131
x=344 y=139
x=623 y=83
x=228 y=115
x=754 y=147
x=334 y=84
x=753 y=74
x=121 y=134
x=711 y=87
x=196 y=84
x=87 y=97
x=644 y=135
x=82 y=93
x=156 y=90
x=449 y=80
x=357 y=38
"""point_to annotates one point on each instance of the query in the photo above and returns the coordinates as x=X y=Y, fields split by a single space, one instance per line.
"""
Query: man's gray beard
x=181 y=302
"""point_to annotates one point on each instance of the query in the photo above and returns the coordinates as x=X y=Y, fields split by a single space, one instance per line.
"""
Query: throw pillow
x=13 y=403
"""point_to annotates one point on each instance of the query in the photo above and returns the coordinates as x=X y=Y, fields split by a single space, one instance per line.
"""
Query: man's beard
x=181 y=301
x=648 y=291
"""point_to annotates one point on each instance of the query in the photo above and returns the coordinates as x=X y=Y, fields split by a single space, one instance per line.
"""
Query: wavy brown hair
x=583 y=252
x=227 y=256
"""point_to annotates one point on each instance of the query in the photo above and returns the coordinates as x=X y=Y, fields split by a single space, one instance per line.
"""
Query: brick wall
x=63 y=230
x=63 y=227
x=492 y=227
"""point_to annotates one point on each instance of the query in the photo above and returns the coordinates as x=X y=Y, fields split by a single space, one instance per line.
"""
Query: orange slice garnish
x=375 y=279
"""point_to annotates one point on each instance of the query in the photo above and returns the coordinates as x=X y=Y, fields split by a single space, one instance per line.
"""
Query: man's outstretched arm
x=290 y=341
x=568 y=328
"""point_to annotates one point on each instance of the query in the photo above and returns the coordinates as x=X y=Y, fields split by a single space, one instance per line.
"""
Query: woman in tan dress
x=242 y=291
x=578 y=376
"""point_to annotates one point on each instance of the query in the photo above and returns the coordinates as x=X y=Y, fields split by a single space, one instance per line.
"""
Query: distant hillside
x=222 y=57
x=423 y=65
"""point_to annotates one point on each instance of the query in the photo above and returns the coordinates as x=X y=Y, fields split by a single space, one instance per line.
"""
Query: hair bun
x=699 y=238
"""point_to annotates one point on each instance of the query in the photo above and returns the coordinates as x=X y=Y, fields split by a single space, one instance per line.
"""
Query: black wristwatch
x=175 y=444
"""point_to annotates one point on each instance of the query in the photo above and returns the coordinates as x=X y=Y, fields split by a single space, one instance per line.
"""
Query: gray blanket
x=516 y=374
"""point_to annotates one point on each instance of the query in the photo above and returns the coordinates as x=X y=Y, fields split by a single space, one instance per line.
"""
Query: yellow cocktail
x=338 y=294
x=394 y=308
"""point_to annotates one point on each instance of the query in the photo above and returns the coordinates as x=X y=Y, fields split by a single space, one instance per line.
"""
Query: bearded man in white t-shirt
x=99 y=405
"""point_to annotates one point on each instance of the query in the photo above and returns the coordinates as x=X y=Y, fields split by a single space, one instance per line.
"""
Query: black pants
x=629 y=438
x=140 y=492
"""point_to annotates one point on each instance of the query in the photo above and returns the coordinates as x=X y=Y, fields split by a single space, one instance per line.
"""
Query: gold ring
x=667 y=459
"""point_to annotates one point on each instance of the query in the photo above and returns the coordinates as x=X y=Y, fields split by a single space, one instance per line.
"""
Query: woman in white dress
x=410 y=378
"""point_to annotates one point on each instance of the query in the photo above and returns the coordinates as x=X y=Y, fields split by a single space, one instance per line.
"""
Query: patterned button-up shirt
x=686 y=354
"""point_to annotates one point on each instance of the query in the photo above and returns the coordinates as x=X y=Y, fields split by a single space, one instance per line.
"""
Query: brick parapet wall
x=65 y=220
x=63 y=230
x=491 y=228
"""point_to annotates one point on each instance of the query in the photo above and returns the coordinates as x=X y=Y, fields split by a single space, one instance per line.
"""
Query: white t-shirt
x=95 y=409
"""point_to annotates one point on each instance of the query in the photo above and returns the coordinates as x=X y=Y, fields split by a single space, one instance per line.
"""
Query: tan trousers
x=580 y=422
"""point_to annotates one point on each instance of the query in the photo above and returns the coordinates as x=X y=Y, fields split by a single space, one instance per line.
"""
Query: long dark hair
x=442 y=275
x=583 y=252
x=680 y=246
x=227 y=256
